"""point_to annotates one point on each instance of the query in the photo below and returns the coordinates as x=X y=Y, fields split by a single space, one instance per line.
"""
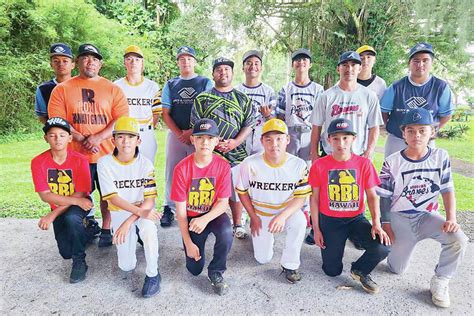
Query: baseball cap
x=205 y=127
x=126 y=125
x=56 y=122
x=422 y=47
x=341 y=125
x=418 y=116
x=275 y=125
x=133 y=49
x=252 y=53
x=60 y=49
x=89 y=49
x=366 y=48
x=348 y=56
x=222 y=61
x=302 y=52
x=185 y=50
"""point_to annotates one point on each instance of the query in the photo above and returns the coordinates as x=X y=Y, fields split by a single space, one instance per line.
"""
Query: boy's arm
x=148 y=213
x=198 y=224
x=314 y=146
x=191 y=249
x=449 y=201
x=78 y=198
x=374 y=208
x=277 y=224
x=255 y=221
x=314 y=207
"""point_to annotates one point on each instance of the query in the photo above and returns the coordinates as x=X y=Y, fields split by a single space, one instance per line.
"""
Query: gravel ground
x=34 y=280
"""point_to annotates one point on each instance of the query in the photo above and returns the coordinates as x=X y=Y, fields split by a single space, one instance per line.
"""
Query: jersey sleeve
x=242 y=183
x=374 y=117
x=281 y=103
x=178 y=187
x=317 y=116
x=446 y=107
x=303 y=189
x=150 y=183
x=157 y=106
x=224 y=190
x=41 y=108
x=387 y=181
x=57 y=103
x=386 y=103
x=166 y=97
x=370 y=176
x=120 y=105
x=446 y=182
x=196 y=110
x=38 y=174
x=314 y=178
x=106 y=180
x=84 y=182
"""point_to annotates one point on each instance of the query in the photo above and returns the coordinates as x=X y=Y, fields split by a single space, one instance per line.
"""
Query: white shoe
x=439 y=288
x=239 y=232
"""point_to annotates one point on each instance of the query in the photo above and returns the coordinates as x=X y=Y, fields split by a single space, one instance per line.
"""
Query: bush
x=453 y=131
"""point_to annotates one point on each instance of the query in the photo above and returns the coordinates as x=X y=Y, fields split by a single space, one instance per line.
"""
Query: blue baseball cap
x=60 y=49
x=418 y=116
x=341 y=125
x=185 y=50
x=205 y=127
x=301 y=53
x=349 y=56
x=422 y=47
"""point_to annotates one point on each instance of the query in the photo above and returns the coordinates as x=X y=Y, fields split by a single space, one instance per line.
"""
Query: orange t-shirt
x=89 y=105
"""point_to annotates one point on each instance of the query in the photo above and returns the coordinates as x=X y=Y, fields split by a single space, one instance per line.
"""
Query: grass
x=18 y=198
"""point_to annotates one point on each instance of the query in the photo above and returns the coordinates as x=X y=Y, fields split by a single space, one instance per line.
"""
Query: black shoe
x=167 y=218
x=310 y=238
x=151 y=286
x=105 y=238
x=366 y=281
x=356 y=244
x=92 y=228
x=218 y=284
x=78 y=272
x=292 y=276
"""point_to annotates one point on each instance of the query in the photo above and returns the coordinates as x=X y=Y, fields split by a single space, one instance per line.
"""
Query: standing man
x=419 y=89
x=263 y=97
x=177 y=100
x=233 y=113
x=366 y=77
x=296 y=102
x=62 y=63
x=91 y=104
x=143 y=99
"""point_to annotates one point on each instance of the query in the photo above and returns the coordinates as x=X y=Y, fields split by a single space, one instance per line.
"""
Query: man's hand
x=227 y=145
x=255 y=225
x=314 y=156
x=198 y=224
x=192 y=251
x=265 y=110
x=152 y=214
x=388 y=229
x=121 y=233
x=377 y=230
x=450 y=226
x=318 y=238
x=84 y=203
x=185 y=136
x=369 y=154
x=46 y=220
x=92 y=141
x=277 y=224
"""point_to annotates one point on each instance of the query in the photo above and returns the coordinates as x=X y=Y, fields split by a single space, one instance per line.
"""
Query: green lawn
x=18 y=198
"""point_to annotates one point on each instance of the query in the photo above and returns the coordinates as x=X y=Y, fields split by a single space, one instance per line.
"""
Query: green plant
x=453 y=131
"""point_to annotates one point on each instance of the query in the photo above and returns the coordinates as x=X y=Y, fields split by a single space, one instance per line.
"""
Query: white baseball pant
x=148 y=146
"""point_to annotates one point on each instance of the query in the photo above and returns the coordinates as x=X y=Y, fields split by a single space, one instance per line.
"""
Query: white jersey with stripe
x=133 y=181
x=271 y=187
x=415 y=185
x=260 y=95
x=143 y=99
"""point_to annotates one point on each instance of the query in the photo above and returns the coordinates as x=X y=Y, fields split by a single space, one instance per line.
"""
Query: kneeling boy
x=127 y=181
x=62 y=179
x=273 y=186
x=413 y=179
x=339 y=181
x=201 y=189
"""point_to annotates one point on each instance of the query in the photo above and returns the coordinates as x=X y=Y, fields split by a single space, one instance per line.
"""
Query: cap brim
x=421 y=51
x=345 y=132
x=183 y=54
x=125 y=132
x=227 y=63
x=133 y=53
x=46 y=129
x=355 y=60
x=368 y=51
x=300 y=56
x=253 y=55
x=204 y=133
x=60 y=54
x=91 y=53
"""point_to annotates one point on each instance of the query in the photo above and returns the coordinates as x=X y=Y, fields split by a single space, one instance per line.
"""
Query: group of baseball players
x=297 y=160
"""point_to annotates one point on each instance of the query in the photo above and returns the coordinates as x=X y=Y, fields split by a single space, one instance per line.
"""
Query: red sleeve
x=56 y=104
x=83 y=183
x=120 y=105
x=371 y=178
x=39 y=176
x=224 y=189
x=314 y=178
x=178 y=186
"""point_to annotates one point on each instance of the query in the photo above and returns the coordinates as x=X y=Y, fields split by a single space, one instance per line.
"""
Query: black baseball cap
x=222 y=61
x=252 y=53
x=302 y=52
x=349 y=56
x=56 y=122
x=341 y=125
x=89 y=49
x=60 y=49
x=205 y=127
x=422 y=47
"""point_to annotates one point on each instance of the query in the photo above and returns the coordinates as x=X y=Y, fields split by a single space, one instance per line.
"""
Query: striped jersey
x=260 y=95
x=415 y=185
x=272 y=187
x=296 y=103
x=143 y=99
x=133 y=181
x=231 y=111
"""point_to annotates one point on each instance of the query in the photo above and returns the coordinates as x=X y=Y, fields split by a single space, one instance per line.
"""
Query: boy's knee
x=65 y=254
x=382 y=251
x=148 y=230
x=332 y=271
x=396 y=269
x=195 y=269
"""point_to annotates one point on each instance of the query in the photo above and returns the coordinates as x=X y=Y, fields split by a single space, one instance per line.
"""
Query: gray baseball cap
x=302 y=52
x=252 y=53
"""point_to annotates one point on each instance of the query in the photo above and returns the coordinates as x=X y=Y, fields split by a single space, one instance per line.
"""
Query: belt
x=300 y=128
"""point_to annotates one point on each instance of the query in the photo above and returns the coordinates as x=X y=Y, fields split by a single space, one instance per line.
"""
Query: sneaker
x=218 y=284
x=239 y=232
x=366 y=281
x=167 y=218
x=92 y=228
x=105 y=238
x=151 y=286
x=309 y=240
x=292 y=276
x=78 y=271
x=439 y=288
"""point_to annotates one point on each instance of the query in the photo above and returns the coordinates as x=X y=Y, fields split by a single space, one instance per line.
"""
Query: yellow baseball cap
x=133 y=49
x=366 y=48
x=274 y=125
x=126 y=125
